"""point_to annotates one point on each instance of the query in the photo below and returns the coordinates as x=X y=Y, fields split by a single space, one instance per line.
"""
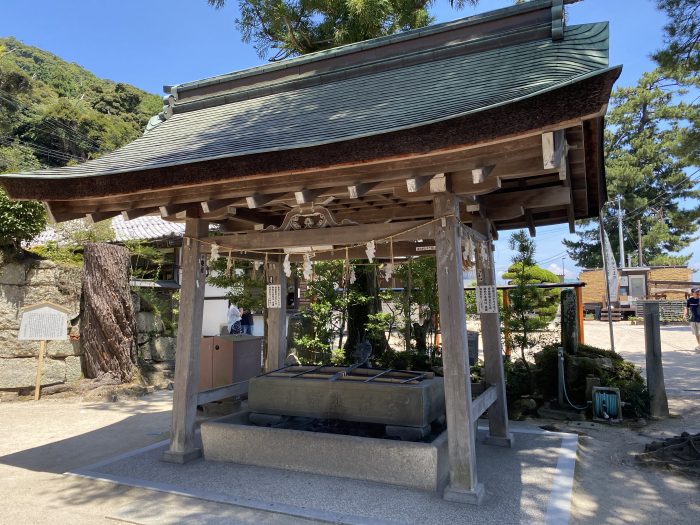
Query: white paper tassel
x=370 y=250
x=388 y=271
x=214 y=252
x=308 y=269
x=484 y=254
x=287 y=266
x=258 y=264
x=353 y=277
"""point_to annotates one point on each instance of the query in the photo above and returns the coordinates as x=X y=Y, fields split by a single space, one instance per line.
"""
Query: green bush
x=624 y=375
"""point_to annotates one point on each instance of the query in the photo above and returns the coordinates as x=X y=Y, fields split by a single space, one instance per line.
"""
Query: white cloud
x=556 y=269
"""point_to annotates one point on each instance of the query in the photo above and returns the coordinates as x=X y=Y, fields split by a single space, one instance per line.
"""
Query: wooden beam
x=494 y=230
x=439 y=183
x=255 y=217
x=356 y=191
x=466 y=231
x=307 y=196
x=129 y=215
x=553 y=149
x=565 y=171
x=101 y=216
x=499 y=433
x=171 y=210
x=479 y=175
x=276 y=319
x=183 y=446
x=531 y=198
x=414 y=184
x=222 y=392
x=482 y=403
x=505 y=213
x=328 y=236
x=530 y=224
x=54 y=216
x=216 y=205
x=259 y=200
x=471 y=204
x=383 y=251
x=387 y=213
x=460 y=183
x=461 y=445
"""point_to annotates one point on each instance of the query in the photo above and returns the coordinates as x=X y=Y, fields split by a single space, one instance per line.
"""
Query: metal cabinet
x=228 y=359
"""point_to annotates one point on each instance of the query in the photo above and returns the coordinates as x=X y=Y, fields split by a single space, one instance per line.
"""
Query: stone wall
x=156 y=338
x=31 y=281
x=23 y=283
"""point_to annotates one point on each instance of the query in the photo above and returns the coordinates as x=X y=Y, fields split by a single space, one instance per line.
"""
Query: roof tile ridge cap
x=241 y=92
x=372 y=43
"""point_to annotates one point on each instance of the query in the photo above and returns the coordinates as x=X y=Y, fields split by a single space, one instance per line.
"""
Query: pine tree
x=646 y=166
x=298 y=27
x=531 y=308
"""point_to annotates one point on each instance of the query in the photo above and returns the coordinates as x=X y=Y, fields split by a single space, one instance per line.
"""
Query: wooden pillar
x=491 y=336
x=189 y=335
x=463 y=486
x=579 y=313
x=655 y=366
x=276 y=319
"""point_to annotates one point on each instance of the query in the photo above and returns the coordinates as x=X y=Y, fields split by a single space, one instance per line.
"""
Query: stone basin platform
x=406 y=402
x=411 y=464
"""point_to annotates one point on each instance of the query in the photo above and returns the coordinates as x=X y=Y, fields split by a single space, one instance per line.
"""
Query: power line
x=57 y=123
x=668 y=193
x=61 y=155
x=52 y=122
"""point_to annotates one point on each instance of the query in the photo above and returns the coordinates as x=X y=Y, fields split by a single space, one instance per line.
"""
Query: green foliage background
x=52 y=114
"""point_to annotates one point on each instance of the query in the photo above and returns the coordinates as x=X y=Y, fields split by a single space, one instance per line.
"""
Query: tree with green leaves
x=646 y=166
x=679 y=61
x=244 y=284
x=682 y=51
x=531 y=309
x=282 y=29
x=19 y=220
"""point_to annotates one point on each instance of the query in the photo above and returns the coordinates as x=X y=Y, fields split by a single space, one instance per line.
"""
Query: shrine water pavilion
x=445 y=135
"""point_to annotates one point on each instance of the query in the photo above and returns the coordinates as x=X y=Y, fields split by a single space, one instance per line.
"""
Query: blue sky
x=151 y=43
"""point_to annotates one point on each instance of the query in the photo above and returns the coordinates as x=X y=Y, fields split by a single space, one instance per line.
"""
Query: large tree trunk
x=358 y=314
x=108 y=329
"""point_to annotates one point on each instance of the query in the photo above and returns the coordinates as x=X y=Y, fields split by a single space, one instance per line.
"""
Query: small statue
x=362 y=352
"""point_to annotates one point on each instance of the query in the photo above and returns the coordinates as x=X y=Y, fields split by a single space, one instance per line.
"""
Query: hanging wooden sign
x=486 y=300
x=274 y=296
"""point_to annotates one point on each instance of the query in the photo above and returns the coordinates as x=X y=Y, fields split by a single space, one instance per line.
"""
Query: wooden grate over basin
x=351 y=373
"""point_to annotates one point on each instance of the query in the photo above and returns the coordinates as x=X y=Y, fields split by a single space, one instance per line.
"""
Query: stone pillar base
x=181 y=457
x=500 y=441
x=460 y=495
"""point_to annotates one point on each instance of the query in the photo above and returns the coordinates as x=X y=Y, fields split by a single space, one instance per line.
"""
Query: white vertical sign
x=486 y=299
x=274 y=296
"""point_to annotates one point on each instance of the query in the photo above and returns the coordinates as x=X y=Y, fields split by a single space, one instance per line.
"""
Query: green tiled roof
x=374 y=103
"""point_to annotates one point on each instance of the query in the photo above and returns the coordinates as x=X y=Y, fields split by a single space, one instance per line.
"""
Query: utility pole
x=563 y=273
x=607 y=278
x=619 y=228
x=640 y=261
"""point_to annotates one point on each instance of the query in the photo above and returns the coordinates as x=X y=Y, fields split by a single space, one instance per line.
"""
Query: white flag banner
x=610 y=267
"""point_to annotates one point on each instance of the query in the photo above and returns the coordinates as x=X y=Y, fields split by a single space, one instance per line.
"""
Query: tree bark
x=108 y=328
x=358 y=314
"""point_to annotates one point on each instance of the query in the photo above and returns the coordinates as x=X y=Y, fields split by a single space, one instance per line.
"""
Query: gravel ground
x=610 y=486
